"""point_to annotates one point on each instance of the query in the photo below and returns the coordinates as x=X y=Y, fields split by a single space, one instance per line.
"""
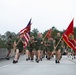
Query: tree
x=3 y=37
x=2 y=41
x=34 y=32
x=75 y=32
x=7 y=34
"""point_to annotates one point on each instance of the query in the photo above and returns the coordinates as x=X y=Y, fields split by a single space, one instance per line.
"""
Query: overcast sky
x=15 y=14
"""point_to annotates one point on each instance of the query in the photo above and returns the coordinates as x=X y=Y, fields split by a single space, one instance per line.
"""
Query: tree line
x=4 y=38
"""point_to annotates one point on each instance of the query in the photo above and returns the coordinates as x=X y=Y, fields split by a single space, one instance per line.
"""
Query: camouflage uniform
x=50 y=47
x=56 y=42
x=31 y=45
x=38 y=44
x=59 y=49
x=20 y=45
x=9 y=44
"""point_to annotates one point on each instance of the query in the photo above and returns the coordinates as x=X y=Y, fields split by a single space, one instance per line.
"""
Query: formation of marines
x=39 y=47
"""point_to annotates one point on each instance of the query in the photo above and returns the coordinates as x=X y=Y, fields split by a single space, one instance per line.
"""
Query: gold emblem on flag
x=71 y=36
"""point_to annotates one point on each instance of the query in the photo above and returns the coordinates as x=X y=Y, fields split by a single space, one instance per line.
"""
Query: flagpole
x=44 y=37
x=58 y=42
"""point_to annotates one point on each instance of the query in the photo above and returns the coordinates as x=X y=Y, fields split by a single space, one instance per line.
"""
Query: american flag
x=26 y=33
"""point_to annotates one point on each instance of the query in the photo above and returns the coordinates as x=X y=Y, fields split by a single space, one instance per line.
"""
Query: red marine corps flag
x=48 y=34
x=68 y=36
x=26 y=33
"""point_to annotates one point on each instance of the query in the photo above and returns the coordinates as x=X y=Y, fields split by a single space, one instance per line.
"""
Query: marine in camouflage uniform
x=19 y=47
x=45 y=48
x=58 y=48
x=50 y=48
x=39 y=44
x=9 y=46
x=32 y=47
x=27 y=52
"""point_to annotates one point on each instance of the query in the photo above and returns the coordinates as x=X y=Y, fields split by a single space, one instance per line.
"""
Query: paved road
x=45 y=67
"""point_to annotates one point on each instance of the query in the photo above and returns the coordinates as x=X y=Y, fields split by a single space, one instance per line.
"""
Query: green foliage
x=4 y=38
x=75 y=32
x=34 y=32
x=3 y=44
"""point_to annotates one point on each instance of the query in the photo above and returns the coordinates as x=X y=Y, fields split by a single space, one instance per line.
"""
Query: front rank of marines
x=38 y=48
